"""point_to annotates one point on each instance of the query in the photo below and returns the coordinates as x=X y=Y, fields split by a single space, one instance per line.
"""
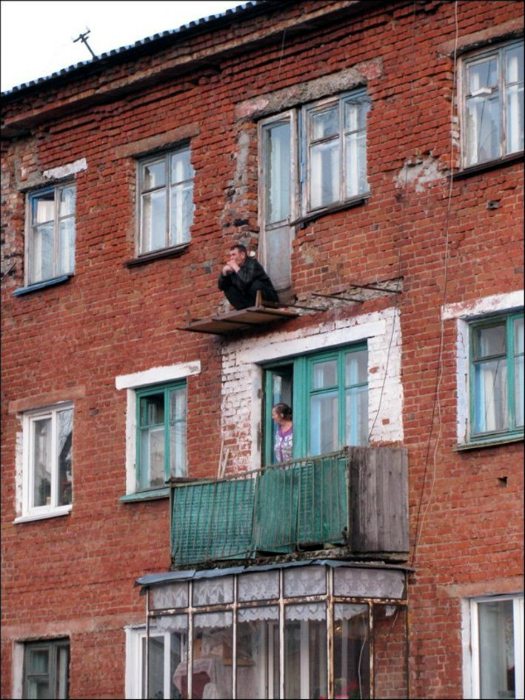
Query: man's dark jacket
x=250 y=278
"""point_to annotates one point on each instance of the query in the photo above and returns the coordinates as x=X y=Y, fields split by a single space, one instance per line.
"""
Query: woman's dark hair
x=283 y=410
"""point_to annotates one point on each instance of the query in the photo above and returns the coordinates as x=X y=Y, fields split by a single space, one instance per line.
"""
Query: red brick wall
x=77 y=572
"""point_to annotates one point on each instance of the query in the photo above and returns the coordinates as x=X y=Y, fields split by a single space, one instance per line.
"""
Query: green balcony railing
x=354 y=497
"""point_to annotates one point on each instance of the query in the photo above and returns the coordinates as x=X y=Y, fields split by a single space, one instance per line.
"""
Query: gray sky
x=37 y=37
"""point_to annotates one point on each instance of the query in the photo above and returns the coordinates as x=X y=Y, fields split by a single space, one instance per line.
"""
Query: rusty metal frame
x=329 y=598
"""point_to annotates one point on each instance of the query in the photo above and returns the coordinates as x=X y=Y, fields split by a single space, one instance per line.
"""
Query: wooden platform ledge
x=260 y=314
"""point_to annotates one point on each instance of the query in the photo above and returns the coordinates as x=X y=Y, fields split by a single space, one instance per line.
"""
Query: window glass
x=351 y=651
x=305 y=655
x=324 y=174
x=42 y=462
x=519 y=378
x=325 y=123
x=64 y=440
x=515 y=107
x=154 y=175
x=278 y=171
x=212 y=655
x=258 y=653
x=496 y=649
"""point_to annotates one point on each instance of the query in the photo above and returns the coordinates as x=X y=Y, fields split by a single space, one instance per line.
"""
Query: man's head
x=238 y=253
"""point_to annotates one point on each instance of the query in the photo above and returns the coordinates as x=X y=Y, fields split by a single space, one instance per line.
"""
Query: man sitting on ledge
x=242 y=277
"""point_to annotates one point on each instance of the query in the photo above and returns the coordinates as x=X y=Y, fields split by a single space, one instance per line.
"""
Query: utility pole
x=83 y=38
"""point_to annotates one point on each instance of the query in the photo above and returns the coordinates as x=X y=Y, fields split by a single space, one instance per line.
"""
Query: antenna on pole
x=83 y=38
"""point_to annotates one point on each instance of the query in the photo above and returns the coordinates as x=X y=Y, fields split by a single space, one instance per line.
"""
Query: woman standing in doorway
x=283 y=445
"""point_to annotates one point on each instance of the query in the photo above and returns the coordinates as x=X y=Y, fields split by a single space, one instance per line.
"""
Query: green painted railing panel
x=302 y=505
x=212 y=521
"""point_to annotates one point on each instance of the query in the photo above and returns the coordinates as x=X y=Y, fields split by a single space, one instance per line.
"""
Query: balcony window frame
x=57 y=679
x=53 y=508
x=56 y=272
x=302 y=394
x=512 y=430
x=501 y=92
x=182 y=238
x=166 y=390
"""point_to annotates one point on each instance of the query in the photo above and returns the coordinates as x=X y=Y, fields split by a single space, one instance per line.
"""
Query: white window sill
x=43 y=515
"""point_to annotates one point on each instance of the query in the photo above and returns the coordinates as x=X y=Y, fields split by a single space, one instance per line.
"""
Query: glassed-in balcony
x=354 y=499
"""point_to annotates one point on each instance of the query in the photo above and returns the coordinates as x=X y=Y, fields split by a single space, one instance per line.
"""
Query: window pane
x=324 y=374
x=154 y=220
x=152 y=409
x=490 y=396
x=181 y=167
x=64 y=440
x=324 y=174
x=182 y=208
x=38 y=661
x=66 y=261
x=351 y=651
x=490 y=341
x=153 y=175
x=42 y=253
x=67 y=201
x=519 y=378
x=43 y=208
x=212 y=655
x=258 y=653
x=152 y=457
x=156 y=667
x=305 y=673
x=356 y=368
x=514 y=125
x=496 y=650
x=324 y=427
x=483 y=129
x=278 y=172
x=514 y=85
x=178 y=432
x=355 y=112
x=38 y=689
x=357 y=416
x=325 y=123
x=482 y=76
x=355 y=164
x=42 y=462
x=62 y=672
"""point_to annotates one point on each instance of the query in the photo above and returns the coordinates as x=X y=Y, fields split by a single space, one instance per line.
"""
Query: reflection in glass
x=42 y=462
x=258 y=653
x=212 y=655
x=496 y=650
x=351 y=651
x=519 y=379
x=64 y=442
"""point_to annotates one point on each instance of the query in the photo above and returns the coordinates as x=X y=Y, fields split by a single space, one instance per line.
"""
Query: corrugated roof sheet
x=141 y=42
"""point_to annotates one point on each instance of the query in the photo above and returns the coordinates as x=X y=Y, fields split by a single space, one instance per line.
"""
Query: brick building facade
x=370 y=155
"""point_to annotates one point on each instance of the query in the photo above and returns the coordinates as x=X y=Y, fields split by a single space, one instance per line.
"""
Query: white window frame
x=29 y=243
x=140 y=380
x=499 y=53
x=165 y=156
x=53 y=509
x=135 y=636
x=470 y=641
x=464 y=313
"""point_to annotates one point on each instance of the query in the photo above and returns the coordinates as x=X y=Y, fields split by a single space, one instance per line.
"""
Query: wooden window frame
x=52 y=675
x=512 y=431
x=164 y=389
x=57 y=218
x=165 y=157
x=499 y=53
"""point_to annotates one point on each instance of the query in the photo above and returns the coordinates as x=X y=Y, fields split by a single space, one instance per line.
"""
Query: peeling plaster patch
x=485 y=305
x=310 y=90
x=419 y=173
x=242 y=378
x=65 y=170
